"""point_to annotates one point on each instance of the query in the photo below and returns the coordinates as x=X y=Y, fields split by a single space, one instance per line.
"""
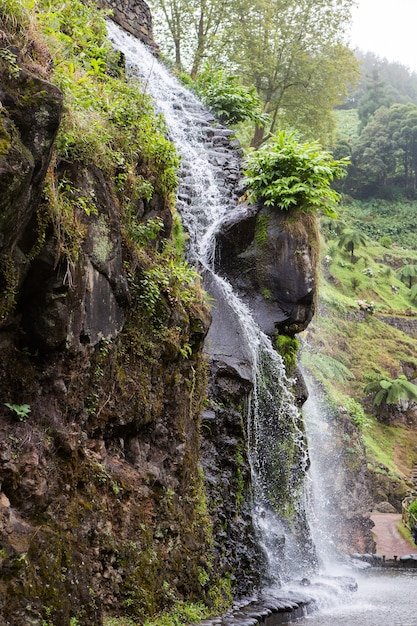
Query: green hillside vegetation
x=350 y=343
x=379 y=218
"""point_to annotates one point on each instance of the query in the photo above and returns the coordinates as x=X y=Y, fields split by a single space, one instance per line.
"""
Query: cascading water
x=207 y=193
x=322 y=453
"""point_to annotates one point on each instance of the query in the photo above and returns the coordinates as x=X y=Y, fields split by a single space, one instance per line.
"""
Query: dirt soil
x=388 y=540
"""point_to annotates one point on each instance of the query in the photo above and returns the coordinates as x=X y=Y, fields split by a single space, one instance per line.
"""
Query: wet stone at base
x=265 y=611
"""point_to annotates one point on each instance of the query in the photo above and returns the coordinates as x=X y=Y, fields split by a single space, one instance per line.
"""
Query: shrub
x=287 y=174
x=385 y=241
x=390 y=391
x=107 y=120
x=227 y=97
x=14 y=15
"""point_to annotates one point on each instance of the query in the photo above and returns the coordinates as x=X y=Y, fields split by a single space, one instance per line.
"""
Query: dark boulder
x=268 y=255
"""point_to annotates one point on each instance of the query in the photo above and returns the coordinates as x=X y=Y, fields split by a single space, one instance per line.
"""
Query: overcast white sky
x=388 y=28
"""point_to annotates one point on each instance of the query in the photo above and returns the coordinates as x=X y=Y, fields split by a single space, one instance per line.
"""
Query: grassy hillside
x=353 y=341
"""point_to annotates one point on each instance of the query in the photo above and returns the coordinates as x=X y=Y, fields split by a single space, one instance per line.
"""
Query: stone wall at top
x=132 y=15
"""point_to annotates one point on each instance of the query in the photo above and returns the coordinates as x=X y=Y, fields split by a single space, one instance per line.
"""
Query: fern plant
x=390 y=391
x=288 y=174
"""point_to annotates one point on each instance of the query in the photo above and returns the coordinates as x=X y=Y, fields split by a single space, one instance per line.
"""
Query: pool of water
x=384 y=598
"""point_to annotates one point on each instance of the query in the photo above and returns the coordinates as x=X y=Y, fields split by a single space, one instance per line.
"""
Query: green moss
x=8 y=285
x=287 y=347
x=68 y=227
x=261 y=229
x=5 y=138
x=102 y=244
x=220 y=595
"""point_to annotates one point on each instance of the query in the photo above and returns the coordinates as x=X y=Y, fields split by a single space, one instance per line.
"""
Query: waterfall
x=321 y=505
x=209 y=178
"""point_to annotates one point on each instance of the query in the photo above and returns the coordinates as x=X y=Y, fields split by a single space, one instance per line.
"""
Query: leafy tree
x=408 y=273
x=190 y=28
x=403 y=129
x=391 y=392
x=293 y=53
x=288 y=174
x=351 y=238
x=376 y=94
x=374 y=158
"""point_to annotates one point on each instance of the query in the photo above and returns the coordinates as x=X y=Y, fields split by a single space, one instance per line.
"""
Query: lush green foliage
x=14 y=15
x=345 y=348
x=390 y=391
x=382 y=218
x=288 y=349
x=386 y=152
x=108 y=121
x=190 y=31
x=413 y=509
x=225 y=95
x=288 y=174
x=294 y=54
x=408 y=273
x=384 y=149
x=183 y=614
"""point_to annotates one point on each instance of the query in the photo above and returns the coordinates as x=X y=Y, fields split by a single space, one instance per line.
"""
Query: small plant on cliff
x=288 y=174
x=21 y=410
x=107 y=120
x=14 y=15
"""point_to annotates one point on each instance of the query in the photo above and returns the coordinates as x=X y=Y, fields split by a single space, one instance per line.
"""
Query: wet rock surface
x=29 y=120
x=271 y=265
x=265 y=611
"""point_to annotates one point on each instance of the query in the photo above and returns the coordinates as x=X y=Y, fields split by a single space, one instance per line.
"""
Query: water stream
x=209 y=180
x=209 y=177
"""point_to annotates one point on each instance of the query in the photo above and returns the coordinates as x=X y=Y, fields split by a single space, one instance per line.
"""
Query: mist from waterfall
x=322 y=484
x=207 y=193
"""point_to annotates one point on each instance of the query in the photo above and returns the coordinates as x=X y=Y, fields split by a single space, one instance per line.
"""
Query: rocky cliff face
x=103 y=505
x=132 y=15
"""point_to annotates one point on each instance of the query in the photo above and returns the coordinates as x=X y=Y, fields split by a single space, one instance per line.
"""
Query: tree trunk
x=258 y=137
x=201 y=40
x=177 y=45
